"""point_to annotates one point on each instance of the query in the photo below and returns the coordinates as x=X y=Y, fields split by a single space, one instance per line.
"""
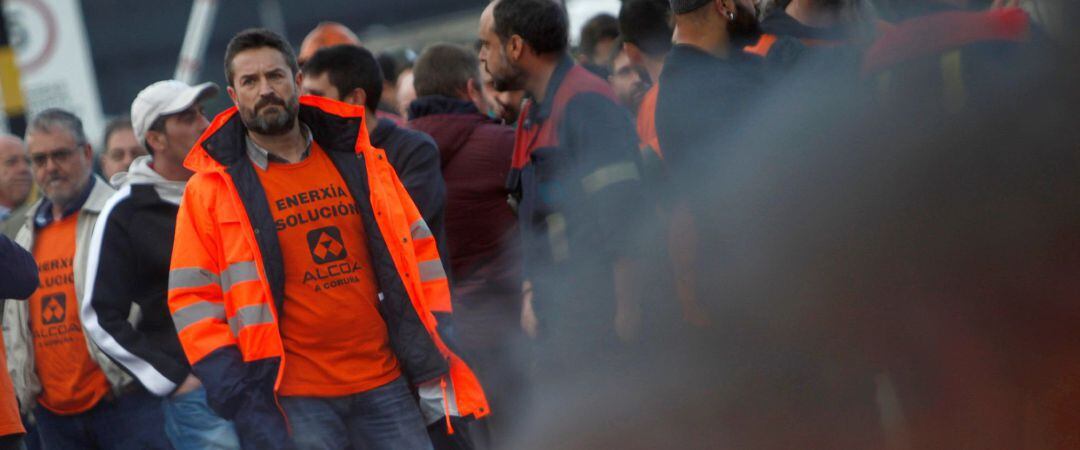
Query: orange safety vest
x=226 y=284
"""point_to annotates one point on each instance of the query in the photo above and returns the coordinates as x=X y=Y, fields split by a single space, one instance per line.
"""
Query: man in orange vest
x=304 y=283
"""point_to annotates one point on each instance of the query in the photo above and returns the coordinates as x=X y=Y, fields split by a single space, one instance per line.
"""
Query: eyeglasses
x=59 y=156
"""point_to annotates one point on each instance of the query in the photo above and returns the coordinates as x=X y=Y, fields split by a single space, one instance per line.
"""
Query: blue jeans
x=132 y=421
x=192 y=425
x=386 y=417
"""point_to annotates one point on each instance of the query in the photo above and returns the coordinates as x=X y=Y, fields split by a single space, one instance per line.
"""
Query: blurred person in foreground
x=481 y=229
x=121 y=148
x=599 y=38
x=646 y=29
x=16 y=183
x=707 y=80
x=350 y=74
x=168 y=118
x=576 y=184
x=19 y=282
x=309 y=286
x=79 y=397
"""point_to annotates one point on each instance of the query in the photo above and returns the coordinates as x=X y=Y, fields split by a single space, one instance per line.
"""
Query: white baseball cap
x=164 y=98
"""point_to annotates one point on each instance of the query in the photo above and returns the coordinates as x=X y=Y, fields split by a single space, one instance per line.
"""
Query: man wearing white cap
x=129 y=260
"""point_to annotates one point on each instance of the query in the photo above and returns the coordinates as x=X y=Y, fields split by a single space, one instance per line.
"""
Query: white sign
x=580 y=11
x=53 y=54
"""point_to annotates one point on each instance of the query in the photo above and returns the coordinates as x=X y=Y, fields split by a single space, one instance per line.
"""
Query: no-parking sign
x=53 y=54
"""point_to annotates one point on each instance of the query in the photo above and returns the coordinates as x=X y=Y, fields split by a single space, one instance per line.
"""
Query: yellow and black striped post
x=14 y=104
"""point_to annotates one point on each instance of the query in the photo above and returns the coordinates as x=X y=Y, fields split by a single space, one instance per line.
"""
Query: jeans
x=132 y=421
x=386 y=417
x=190 y=424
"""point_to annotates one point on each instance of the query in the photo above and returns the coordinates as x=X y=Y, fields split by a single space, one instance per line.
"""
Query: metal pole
x=14 y=103
x=197 y=36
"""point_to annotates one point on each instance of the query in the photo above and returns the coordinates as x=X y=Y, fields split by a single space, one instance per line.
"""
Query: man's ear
x=299 y=80
x=357 y=97
x=515 y=47
x=726 y=8
x=232 y=95
x=154 y=140
x=472 y=91
x=634 y=54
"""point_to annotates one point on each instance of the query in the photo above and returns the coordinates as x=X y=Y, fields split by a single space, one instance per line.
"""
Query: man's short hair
x=388 y=66
x=446 y=70
x=541 y=23
x=349 y=67
x=117 y=124
x=255 y=38
x=53 y=119
x=647 y=25
x=599 y=28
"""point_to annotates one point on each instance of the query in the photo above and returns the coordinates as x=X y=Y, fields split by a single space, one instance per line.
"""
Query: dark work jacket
x=129 y=266
x=415 y=158
x=577 y=179
x=481 y=228
x=20 y=278
x=701 y=100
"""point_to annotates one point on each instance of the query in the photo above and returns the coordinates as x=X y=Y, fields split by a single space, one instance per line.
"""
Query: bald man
x=15 y=181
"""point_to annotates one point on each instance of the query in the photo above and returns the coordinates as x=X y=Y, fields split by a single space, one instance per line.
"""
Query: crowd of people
x=714 y=224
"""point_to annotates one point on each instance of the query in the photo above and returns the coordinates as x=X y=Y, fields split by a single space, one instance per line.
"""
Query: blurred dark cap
x=685 y=6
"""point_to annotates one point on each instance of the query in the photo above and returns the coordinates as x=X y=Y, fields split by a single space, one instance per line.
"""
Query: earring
x=731 y=16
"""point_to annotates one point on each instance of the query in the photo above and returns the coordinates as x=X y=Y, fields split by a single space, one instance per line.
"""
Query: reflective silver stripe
x=609 y=175
x=250 y=315
x=431 y=270
x=238 y=273
x=191 y=277
x=188 y=315
x=557 y=238
x=419 y=230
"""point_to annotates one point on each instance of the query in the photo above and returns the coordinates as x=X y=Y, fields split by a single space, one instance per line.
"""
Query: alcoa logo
x=326 y=245
x=53 y=308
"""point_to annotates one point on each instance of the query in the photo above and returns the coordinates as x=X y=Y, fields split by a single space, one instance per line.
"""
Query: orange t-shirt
x=336 y=342
x=71 y=381
x=646 y=121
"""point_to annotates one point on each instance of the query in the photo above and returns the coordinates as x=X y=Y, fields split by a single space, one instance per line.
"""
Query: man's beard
x=745 y=29
x=275 y=124
x=512 y=80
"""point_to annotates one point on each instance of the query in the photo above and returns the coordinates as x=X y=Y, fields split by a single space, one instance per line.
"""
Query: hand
x=529 y=323
x=190 y=384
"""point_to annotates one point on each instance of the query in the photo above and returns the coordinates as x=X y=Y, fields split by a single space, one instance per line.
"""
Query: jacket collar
x=542 y=110
x=262 y=157
x=335 y=126
x=92 y=200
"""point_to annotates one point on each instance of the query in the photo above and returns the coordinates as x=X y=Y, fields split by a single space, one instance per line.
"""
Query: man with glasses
x=79 y=397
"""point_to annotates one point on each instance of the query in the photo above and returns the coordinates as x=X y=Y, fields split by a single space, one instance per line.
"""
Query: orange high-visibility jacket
x=226 y=284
